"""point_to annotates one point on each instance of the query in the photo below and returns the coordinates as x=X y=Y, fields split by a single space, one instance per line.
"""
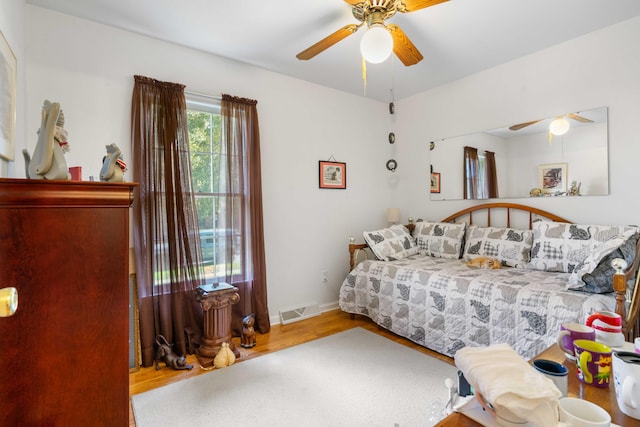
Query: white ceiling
x=457 y=38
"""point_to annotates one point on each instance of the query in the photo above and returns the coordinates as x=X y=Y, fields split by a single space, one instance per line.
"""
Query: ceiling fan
x=570 y=116
x=374 y=13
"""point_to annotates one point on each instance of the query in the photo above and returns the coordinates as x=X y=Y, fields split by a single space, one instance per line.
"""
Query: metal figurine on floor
x=170 y=359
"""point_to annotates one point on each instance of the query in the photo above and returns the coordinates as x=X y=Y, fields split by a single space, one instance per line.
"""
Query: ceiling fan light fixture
x=559 y=126
x=376 y=44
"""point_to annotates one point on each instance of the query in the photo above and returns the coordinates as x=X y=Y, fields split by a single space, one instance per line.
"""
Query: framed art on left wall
x=8 y=82
x=332 y=174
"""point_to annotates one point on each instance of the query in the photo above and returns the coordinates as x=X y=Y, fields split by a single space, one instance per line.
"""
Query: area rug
x=353 y=378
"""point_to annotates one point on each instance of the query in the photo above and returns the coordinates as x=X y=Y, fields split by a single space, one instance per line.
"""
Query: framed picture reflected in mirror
x=435 y=182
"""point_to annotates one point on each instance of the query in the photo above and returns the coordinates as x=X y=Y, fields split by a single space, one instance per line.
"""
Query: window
x=482 y=177
x=475 y=174
x=220 y=242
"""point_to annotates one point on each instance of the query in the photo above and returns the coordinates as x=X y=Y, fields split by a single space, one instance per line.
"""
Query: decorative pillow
x=559 y=246
x=440 y=239
x=391 y=243
x=595 y=273
x=512 y=247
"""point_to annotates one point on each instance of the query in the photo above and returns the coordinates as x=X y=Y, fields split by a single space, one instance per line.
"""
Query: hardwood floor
x=280 y=337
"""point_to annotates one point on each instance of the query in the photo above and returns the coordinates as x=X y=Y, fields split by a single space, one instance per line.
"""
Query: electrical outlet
x=324 y=275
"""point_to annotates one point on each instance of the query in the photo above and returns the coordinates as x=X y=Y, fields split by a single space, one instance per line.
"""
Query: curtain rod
x=204 y=95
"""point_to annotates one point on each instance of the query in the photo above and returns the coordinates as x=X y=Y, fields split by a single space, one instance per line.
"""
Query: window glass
x=216 y=237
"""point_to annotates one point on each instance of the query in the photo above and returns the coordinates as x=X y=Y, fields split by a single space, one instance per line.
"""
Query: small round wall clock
x=392 y=165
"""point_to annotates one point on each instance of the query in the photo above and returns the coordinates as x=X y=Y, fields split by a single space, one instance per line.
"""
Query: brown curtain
x=471 y=171
x=165 y=226
x=491 y=175
x=241 y=178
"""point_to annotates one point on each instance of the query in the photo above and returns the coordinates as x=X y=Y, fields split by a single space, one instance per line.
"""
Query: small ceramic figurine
x=574 y=190
x=48 y=160
x=224 y=357
x=248 y=339
x=113 y=165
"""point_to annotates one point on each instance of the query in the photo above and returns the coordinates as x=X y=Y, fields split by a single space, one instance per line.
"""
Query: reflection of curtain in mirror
x=491 y=175
x=470 y=170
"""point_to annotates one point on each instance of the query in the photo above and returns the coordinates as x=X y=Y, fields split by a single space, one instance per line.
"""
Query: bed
x=441 y=303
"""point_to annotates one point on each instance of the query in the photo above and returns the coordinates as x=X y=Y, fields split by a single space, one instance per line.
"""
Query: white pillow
x=440 y=239
x=596 y=256
x=561 y=247
x=393 y=243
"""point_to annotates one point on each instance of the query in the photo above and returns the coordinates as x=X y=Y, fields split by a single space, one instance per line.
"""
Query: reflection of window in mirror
x=480 y=175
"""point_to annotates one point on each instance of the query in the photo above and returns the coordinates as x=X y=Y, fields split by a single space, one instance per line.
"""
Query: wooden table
x=604 y=397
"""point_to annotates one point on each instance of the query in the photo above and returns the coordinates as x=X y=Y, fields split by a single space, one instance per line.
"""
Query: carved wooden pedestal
x=216 y=303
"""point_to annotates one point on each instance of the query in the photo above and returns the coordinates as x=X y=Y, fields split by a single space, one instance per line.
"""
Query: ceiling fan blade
x=413 y=5
x=579 y=118
x=523 y=125
x=404 y=49
x=328 y=41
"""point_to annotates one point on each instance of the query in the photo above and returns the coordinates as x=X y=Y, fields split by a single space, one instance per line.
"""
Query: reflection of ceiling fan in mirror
x=374 y=13
x=573 y=116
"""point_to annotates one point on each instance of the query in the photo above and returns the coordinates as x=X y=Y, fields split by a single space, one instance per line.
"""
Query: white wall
x=89 y=69
x=595 y=70
x=12 y=27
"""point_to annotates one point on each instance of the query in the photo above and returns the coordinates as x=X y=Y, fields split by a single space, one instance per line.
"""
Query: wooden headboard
x=483 y=213
x=506 y=213
x=506 y=209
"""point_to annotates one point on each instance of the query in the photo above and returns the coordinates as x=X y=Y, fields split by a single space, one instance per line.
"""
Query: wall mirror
x=530 y=160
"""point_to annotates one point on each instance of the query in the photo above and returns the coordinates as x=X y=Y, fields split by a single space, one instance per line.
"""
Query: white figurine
x=113 y=165
x=48 y=157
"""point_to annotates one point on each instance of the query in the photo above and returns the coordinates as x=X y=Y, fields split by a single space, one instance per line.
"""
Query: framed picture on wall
x=435 y=182
x=332 y=174
x=552 y=178
x=8 y=82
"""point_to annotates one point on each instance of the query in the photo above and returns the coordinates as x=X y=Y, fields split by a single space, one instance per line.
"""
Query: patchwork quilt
x=444 y=305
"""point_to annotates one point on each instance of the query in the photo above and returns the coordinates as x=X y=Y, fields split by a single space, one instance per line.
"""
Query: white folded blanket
x=506 y=380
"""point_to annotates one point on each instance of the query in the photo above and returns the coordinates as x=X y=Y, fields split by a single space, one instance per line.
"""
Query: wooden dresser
x=64 y=354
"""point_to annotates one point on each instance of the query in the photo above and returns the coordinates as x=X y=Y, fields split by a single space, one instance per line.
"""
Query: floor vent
x=295 y=314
